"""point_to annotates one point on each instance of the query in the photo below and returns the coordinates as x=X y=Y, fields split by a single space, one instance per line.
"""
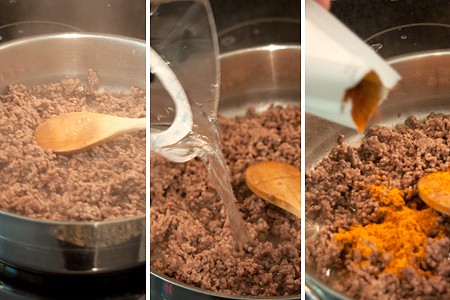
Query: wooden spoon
x=276 y=182
x=434 y=190
x=77 y=131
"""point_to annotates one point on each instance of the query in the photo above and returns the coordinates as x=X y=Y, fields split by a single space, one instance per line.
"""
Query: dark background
x=397 y=27
x=20 y=18
x=246 y=23
x=369 y=17
x=239 y=22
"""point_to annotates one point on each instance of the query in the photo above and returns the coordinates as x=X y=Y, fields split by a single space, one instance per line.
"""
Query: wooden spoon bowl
x=434 y=190
x=77 y=131
x=276 y=182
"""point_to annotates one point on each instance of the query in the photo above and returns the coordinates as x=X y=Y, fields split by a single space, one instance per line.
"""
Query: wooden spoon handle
x=129 y=125
x=76 y=131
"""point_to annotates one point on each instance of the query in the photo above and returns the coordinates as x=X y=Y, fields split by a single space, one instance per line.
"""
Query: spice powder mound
x=401 y=237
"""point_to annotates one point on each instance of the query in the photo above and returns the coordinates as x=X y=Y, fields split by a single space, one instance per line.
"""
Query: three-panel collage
x=224 y=149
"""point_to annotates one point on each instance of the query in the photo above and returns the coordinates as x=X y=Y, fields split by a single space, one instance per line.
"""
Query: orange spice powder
x=402 y=235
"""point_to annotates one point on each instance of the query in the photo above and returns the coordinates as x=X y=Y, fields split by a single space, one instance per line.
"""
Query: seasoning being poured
x=346 y=80
x=365 y=98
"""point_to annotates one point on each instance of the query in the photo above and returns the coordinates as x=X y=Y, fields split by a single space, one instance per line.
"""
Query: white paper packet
x=336 y=61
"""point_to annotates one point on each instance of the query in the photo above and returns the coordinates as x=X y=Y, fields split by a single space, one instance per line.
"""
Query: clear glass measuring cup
x=185 y=76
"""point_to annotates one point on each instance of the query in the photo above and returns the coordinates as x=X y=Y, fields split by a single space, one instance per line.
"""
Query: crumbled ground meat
x=106 y=182
x=190 y=232
x=337 y=196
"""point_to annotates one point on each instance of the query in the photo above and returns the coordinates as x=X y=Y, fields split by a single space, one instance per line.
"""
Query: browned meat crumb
x=106 y=182
x=190 y=233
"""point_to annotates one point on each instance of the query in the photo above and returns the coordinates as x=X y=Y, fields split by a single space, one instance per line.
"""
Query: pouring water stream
x=193 y=131
x=211 y=154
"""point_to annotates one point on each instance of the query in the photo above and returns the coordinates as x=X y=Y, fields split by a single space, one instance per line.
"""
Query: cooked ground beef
x=106 y=182
x=190 y=232
x=337 y=196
